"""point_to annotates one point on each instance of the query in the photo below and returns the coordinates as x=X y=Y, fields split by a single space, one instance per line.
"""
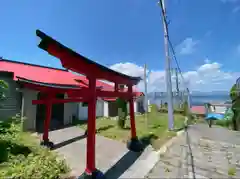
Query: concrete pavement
x=201 y=152
x=112 y=157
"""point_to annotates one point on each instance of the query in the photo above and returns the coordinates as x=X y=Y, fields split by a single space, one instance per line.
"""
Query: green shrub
x=185 y=109
x=22 y=157
x=154 y=108
x=163 y=110
x=41 y=165
x=176 y=111
x=4 y=151
x=227 y=122
x=192 y=118
x=224 y=123
x=121 y=123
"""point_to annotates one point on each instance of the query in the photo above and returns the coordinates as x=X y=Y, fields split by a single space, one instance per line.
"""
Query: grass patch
x=232 y=171
x=22 y=157
x=157 y=126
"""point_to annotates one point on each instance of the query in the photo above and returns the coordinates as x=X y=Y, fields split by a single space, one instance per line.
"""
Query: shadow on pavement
x=67 y=142
x=179 y=129
x=104 y=128
x=128 y=159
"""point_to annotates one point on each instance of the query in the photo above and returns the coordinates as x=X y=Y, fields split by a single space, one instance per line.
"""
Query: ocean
x=196 y=100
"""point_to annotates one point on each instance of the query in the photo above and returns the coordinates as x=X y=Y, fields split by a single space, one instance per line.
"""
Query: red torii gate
x=93 y=71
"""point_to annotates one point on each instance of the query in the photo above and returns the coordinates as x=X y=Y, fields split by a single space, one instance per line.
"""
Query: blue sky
x=128 y=33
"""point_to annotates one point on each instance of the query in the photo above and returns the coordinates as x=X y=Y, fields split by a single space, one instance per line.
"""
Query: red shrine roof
x=58 y=78
x=40 y=73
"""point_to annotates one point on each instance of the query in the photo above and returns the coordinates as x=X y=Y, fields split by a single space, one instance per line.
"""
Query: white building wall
x=82 y=112
x=105 y=109
x=101 y=110
x=29 y=110
x=135 y=106
x=69 y=111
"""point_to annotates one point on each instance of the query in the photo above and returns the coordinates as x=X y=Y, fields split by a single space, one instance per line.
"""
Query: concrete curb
x=165 y=147
x=141 y=168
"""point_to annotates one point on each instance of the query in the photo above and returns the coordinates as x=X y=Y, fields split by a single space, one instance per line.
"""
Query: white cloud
x=187 y=46
x=229 y=1
x=207 y=77
x=206 y=60
x=238 y=49
x=208 y=33
x=236 y=9
x=129 y=69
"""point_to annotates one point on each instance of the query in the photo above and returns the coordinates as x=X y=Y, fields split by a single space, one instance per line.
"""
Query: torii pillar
x=45 y=138
x=91 y=171
x=133 y=144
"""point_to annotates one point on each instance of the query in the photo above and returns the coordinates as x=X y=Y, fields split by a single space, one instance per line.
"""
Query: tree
x=235 y=97
x=122 y=108
x=122 y=112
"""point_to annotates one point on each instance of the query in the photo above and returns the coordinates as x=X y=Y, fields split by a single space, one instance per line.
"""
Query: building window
x=121 y=86
x=84 y=104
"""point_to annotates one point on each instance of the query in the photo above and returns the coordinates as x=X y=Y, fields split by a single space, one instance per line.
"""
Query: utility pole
x=146 y=93
x=189 y=99
x=177 y=88
x=177 y=81
x=145 y=85
x=167 y=70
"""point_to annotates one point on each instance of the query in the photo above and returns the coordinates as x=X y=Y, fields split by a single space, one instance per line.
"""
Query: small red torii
x=93 y=71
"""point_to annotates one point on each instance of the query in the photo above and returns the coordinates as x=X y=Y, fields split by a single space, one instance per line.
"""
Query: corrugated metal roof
x=48 y=75
x=45 y=74
x=198 y=109
x=41 y=74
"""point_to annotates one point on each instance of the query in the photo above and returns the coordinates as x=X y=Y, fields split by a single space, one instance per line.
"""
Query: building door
x=112 y=109
x=57 y=118
x=40 y=113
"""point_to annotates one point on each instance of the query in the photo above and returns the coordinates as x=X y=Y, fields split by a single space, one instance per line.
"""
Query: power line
x=166 y=23
x=170 y=43
x=175 y=58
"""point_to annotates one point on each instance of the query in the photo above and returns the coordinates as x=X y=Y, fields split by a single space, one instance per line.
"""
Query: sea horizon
x=196 y=99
